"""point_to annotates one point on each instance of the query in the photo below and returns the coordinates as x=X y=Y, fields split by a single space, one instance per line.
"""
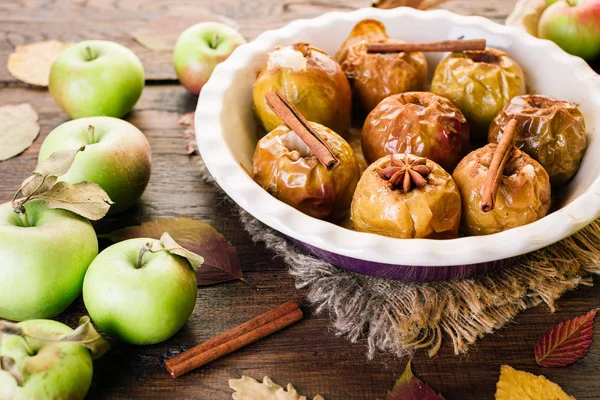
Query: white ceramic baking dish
x=227 y=134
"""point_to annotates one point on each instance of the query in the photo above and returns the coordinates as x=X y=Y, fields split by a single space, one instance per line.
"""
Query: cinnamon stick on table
x=234 y=339
x=296 y=121
x=442 y=46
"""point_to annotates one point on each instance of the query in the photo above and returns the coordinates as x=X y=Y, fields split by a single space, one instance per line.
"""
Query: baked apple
x=309 y=79
x=501 y=187
x=549 y=130
x=374 y=76
x=406 y=196
x=480 y=83
x=418 y=123
x=316 y=176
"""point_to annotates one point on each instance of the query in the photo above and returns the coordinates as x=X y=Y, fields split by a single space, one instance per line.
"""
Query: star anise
x=405 y=174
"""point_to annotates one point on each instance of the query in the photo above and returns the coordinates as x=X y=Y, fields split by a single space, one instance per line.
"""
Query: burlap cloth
x=401 y=317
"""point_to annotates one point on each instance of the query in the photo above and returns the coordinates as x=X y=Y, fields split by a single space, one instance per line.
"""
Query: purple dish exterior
x=404 y=272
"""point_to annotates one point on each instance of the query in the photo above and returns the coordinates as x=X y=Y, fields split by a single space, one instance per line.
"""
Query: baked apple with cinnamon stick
x=311 y=81
x=406 y=196
x=305 y=164
x=501 y=187
x=480 y=83
x=549 y=130
x=418 y=123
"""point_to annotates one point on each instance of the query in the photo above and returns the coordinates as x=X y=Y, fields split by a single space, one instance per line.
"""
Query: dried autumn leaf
x=521 y=385
x=84 y=198
x=189 y=135
x=162 y=33
x=419 y=4
x=172 y=247
x=247 y=388
x=567 y=342
x=31 y=63
x=9 y=365
x=18 y=129
x=526 y=15
x=221 y=262
x=86 y=335
x=409 y=387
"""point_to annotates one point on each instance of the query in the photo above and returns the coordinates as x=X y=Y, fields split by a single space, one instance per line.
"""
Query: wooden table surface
x=307 y=354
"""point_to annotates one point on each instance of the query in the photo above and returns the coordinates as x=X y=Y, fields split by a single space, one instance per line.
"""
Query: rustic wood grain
x=307 y=354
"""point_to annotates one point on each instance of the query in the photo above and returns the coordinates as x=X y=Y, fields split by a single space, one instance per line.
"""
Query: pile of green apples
x=49 y=256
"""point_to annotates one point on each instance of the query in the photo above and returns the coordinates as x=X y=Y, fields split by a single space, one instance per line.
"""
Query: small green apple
x=574 y=25
x=199 y=49
x=51 y=370
x=96 y=77
x=44 y=254
x=117 y=156
x=139 y=300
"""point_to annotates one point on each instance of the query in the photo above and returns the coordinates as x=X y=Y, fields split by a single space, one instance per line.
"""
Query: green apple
x=51 y=370
x=199 y=49
x=139 y=300
x=96 y=77
x=574 y=25
x=117 y=156
x=44 y=254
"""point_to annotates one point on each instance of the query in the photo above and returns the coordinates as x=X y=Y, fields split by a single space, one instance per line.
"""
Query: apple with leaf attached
x=199 y=49
x=46 y=240
x=45 y=359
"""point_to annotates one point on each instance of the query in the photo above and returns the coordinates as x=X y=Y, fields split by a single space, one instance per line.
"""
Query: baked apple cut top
x=311 y=81
x=549 y=130
x=305 y=164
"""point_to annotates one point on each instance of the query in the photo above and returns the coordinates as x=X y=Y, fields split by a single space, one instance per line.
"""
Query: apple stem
x=91 y=136
x=213 y=42
x=145 y=248
x=88 y=52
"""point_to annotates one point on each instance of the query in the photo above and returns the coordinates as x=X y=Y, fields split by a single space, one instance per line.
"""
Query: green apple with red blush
x=574 y=25
x=96 y=77
x=117 y=157
x=199 y=49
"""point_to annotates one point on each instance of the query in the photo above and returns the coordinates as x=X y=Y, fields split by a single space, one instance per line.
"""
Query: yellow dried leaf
x=526 y=15
x=521 y=385
x=419 y=4
x=31 y=63
x=247 y=388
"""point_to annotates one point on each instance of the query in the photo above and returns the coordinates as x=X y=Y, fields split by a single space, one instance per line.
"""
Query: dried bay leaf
x=86 y=335
x=172 y=247
x=31 y=63
x=162 y=33
x=247 y=388
x=18 y=129
x=84 y=198
x=221 y=262
x=409 y=387
x=419 y=4
x=567 y=342
x=520 y=385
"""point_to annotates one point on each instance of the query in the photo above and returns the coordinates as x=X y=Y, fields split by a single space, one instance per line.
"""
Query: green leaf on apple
x=18 y=129
x=221 y=262
x=86 y=335
x=84 y=198
x=9 y=365
x=409 y=387
x=172 y=247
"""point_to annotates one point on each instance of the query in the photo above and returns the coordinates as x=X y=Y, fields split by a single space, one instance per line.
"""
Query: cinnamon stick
x=234 y=339
x=296 y=121
x=442 y=46
x=496 y=169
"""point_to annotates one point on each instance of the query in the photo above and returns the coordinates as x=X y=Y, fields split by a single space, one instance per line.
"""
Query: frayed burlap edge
x=401 y=317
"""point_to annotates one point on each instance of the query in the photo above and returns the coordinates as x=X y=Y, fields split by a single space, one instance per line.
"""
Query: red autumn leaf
x=221 y=262
x=409 y=387
x=567 y=342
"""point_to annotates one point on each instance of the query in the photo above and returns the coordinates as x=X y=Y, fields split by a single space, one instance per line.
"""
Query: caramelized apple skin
x=309 y=79
x=418 y=123
x=432 y=211
x=523 y=195
x=549 y=130
x=480 y=83
x=285 y=167
x=374 y=77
